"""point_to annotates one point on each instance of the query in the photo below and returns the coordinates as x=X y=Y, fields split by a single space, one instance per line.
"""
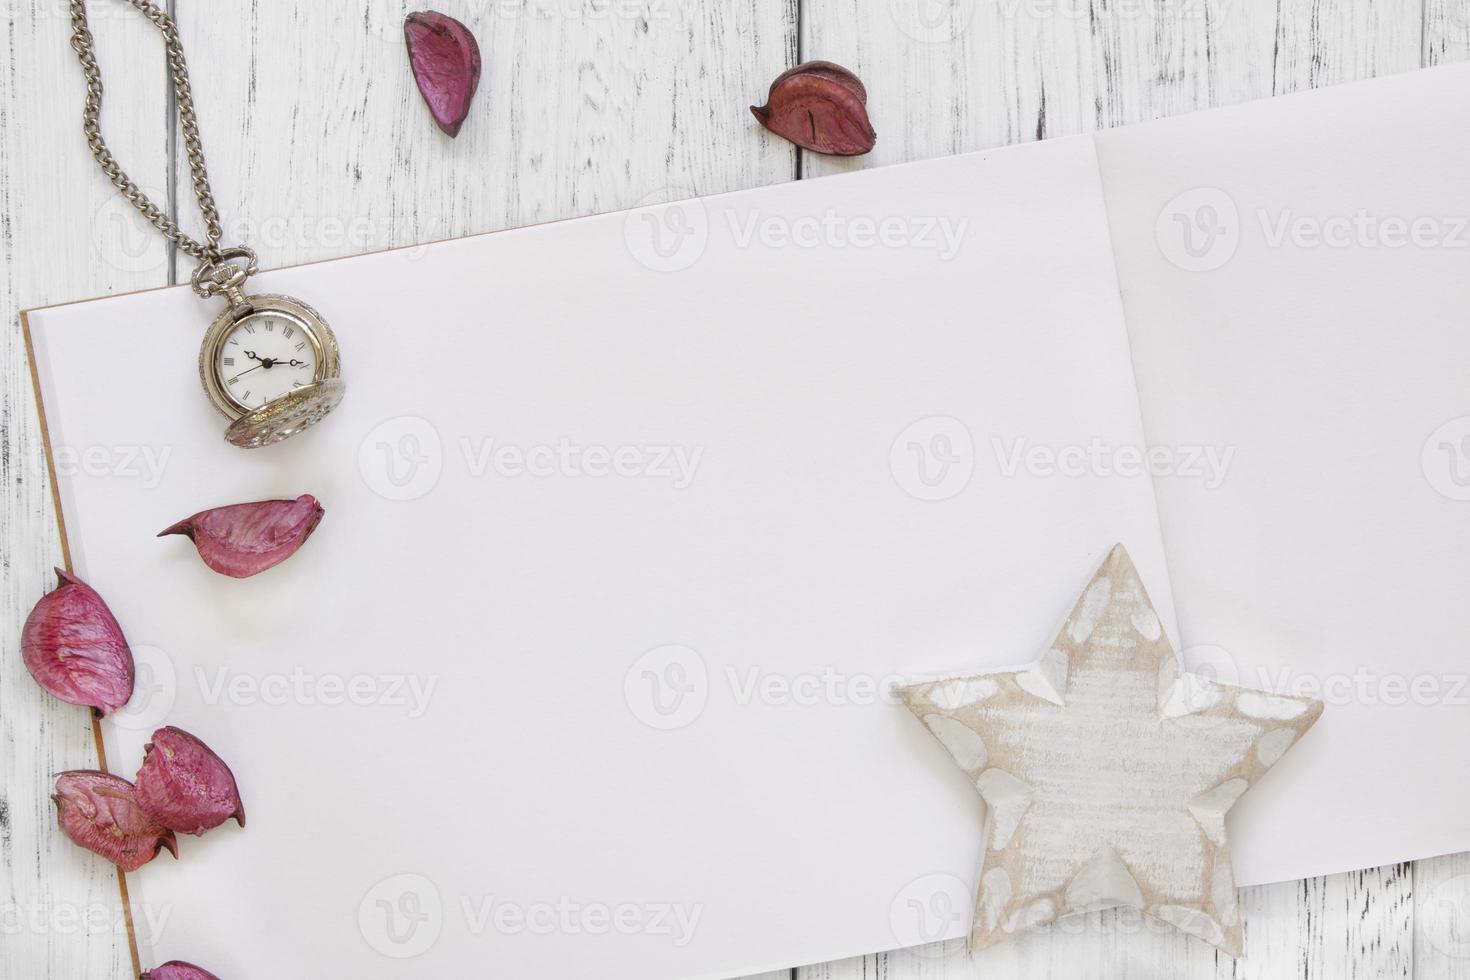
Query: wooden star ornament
x=1107 y=771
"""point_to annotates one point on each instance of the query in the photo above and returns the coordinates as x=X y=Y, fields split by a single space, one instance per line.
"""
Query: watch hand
x=251 y=354
x=247 y=371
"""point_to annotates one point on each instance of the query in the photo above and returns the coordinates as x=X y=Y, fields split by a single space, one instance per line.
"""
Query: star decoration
x=1107 y=771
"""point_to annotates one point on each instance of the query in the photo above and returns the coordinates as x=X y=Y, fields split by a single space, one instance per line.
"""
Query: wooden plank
x=1336 y=41
x=1442 y=918
x=576 y=114
x=950 y=76
x=947 y=76
x=1446 y=31
x=1342 y=927
x=65 y=236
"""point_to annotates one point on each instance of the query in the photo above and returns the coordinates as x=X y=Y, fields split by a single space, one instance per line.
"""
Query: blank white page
x=1295 y=279
x=844 y=378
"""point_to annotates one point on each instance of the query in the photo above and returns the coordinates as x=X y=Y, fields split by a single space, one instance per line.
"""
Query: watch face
x=271 y=366
x=265 y=356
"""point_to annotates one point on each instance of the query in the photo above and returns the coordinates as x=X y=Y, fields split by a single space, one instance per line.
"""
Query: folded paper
x=1107 y=771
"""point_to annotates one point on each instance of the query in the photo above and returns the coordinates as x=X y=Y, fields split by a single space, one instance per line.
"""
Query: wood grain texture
x=578 y=112
x=320 y=147
x=1446 y=31
x=1441 y=897
x=960 y=75
x=63 y=236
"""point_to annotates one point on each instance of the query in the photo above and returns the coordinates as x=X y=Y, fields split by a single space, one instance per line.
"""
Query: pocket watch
x=269 y=363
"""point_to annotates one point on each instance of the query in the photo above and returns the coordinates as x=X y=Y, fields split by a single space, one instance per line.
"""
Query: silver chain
x=208 y=252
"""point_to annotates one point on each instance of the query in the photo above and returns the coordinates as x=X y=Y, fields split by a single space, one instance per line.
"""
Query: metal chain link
x=208 y=252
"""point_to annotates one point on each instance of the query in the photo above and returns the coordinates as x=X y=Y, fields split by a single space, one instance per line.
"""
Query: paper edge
x=66 y=559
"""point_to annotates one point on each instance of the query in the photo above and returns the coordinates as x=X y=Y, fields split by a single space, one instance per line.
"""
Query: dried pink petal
x=245 y=539
x=445 y=58
x=74 y=648
x=819 y=106
x=100 y=812
x=185 y=786
x=178 y=970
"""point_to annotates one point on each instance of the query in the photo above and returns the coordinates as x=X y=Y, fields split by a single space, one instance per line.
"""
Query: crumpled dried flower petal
x=74 y=648
x=100 y=812
x=245 y=539
x=445 y=58
x=185 y=786
x=819 y=106
x=178 y=970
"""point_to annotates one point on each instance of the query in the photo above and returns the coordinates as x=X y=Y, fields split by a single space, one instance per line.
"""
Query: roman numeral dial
x=269 y=363
x=264 y=356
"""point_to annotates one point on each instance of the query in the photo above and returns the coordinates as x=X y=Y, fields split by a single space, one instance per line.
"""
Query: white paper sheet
x=854 y=392
x=890 y=392
x=1320 y=334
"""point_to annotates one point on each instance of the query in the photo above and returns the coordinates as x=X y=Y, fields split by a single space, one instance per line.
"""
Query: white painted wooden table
x=319 y=147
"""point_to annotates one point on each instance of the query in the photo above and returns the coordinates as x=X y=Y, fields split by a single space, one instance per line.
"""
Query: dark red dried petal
x=185 y=786
x=819 y=106
x=100 y=812
x=178 y=970
x=74 y=648
x=445 y=58
x=245 y=539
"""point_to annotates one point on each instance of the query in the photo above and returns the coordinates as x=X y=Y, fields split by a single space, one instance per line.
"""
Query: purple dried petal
x=185 y=786
x=445 y=58
x=178 y=970
x=74 y=648
x=819 y=106
x=245 y=539
x=100 y=812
